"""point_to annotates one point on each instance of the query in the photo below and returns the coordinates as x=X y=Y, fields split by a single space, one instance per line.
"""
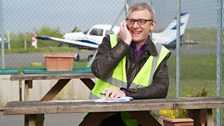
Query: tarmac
x=67 y=119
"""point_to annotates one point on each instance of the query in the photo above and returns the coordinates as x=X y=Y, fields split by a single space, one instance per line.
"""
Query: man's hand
x=124 y=34
x=114 y=93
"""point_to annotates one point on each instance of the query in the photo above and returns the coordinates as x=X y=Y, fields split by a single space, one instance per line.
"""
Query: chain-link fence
x=23 y=18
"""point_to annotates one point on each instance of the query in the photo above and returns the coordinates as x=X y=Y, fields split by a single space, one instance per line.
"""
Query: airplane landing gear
x=76 y=57
x=90 y=57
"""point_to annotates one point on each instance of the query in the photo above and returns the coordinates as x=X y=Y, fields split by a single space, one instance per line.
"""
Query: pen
x=102 y=94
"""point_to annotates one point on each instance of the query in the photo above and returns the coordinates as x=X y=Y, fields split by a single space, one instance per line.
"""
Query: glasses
x=139 y=21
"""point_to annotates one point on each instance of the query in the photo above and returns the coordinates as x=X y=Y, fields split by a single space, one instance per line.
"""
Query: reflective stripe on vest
x=118 y=78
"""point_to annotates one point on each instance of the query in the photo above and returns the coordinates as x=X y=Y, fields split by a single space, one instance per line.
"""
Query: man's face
x=140 y=23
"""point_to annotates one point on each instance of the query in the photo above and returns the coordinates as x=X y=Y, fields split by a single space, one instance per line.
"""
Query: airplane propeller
x=74 y=29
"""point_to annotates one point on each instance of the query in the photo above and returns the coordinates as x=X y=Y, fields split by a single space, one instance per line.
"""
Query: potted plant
x=180 y=117
x=176 y=118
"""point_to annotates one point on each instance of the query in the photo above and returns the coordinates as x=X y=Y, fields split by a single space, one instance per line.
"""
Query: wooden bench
x=9 y=71
x=202 y=106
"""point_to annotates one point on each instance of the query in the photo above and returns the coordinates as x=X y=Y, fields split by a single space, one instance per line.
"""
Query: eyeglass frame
x=137 y=20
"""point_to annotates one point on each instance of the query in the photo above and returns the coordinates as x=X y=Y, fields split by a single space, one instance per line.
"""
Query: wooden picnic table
x=34 y=110
x=31 y=74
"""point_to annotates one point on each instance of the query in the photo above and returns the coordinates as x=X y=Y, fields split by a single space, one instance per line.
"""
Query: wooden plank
x=50 y=76
x=38 y=107
x=55 y=89
x=88 y=82
x=66 y=106
x=199 y=104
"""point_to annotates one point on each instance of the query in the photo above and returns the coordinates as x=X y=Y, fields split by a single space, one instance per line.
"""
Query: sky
x=21 y=16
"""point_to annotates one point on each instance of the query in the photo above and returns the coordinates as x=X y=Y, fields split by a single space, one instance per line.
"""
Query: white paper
x=123 y=99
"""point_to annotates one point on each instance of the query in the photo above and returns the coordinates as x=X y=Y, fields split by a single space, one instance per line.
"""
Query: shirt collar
x=148 y=45
x=142 y=46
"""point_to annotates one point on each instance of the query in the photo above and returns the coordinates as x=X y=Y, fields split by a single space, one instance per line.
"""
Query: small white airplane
x=93 y=37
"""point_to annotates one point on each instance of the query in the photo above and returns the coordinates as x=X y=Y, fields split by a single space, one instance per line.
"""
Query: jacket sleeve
x=107 y=58
x=159 y=86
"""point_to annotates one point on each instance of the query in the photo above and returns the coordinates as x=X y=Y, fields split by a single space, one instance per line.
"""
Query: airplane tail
x=168 y=36
x=183 y=23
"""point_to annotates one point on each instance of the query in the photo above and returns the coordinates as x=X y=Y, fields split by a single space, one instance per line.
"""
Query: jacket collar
x=151 y=48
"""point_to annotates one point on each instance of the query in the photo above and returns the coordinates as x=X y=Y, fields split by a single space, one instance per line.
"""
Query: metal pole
x=2 y=35
x=127 y=3
x=219 y=60
x=8 y=41
x=151 y=2
x=178 y=50
x=125 y=9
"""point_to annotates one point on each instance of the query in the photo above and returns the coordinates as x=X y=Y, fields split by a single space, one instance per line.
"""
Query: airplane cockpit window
x=97 y=32
x=108 y=32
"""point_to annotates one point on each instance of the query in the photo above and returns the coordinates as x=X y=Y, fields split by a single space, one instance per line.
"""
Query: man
x=131 y=64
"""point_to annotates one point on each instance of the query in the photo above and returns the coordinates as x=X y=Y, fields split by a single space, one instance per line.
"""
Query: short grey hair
x=141 y=6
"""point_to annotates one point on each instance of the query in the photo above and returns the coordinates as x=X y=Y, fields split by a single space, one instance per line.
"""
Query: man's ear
x=153 y=25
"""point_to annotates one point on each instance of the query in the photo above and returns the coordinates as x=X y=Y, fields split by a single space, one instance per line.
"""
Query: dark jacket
x=107 y=59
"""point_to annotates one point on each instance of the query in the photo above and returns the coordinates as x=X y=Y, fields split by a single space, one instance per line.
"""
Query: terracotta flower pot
x=177 y=122
x=59 y=62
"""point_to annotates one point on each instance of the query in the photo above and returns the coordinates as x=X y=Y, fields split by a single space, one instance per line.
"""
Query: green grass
x=196 y=72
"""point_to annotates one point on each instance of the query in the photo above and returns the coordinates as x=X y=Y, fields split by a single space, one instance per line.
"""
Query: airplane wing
x=81 y=44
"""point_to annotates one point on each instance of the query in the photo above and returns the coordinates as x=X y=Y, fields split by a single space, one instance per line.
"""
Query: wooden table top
x=65 y=106
x=42 y=73
x=50 y=76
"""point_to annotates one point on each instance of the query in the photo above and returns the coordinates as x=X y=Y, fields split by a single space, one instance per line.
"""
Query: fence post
x=219 y=60
x=2 y=35
x=178 y=50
